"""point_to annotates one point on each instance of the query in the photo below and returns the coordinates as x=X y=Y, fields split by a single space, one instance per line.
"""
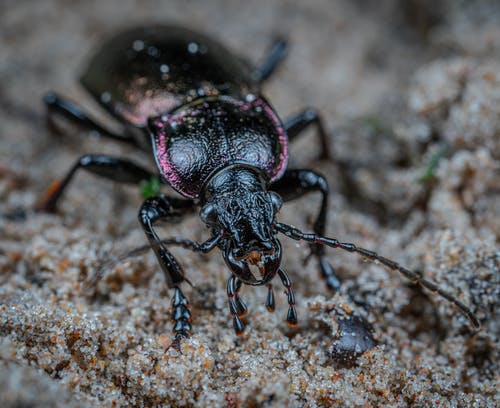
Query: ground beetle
x=217 y=142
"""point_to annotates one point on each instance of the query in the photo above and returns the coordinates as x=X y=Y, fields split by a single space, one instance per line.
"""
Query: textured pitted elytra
x=194 y=142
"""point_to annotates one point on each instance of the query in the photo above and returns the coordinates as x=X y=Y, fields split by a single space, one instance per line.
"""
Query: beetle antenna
x=296 y=234
x=114 y=261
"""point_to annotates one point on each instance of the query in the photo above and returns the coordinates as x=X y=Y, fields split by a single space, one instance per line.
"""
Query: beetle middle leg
x=113 y=168
x=295 y=184
x=295 y=125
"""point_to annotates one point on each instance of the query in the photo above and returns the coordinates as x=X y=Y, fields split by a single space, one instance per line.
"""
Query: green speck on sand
x=151 y=187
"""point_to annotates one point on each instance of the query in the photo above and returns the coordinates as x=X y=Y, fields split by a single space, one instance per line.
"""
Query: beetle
x=219 y=143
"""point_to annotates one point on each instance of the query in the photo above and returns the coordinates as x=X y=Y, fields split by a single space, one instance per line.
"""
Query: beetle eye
x=208 y=214
x=276 y=201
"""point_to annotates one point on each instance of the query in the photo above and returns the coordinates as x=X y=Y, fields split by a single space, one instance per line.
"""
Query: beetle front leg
x=181 y=315
x=237 y=308
x=295 y=184
x=159 y=208
x=291 y=316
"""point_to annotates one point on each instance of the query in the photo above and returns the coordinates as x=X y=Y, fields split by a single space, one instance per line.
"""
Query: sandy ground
x=411 y=99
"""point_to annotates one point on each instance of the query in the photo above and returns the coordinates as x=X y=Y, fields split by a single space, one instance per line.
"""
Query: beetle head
x=244 y=211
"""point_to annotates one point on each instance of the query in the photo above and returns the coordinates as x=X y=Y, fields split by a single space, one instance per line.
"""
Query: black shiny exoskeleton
x=220 y=144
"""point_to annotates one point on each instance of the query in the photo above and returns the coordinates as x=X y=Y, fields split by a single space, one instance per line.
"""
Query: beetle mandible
x=220 y=144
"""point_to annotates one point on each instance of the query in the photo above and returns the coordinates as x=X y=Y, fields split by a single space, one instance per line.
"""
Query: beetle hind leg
x=271 y=61
x=58 y=105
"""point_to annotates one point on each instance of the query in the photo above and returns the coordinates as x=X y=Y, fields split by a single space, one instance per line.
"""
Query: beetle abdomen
x=197 y=140
x=147 y=71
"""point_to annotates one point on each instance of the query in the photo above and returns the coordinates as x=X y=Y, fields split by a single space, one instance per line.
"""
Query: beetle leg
x=69 y=110
x=291 y=317
x=270 y=302
x=152 y=210
x=181 y=315
x=295 y=184
x=271 y=61
x=236 y=307
x=294 y=126
x=113 y=168
x=242 y=307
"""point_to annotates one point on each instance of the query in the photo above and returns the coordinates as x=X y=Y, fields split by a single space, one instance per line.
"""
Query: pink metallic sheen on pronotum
x=247 y=133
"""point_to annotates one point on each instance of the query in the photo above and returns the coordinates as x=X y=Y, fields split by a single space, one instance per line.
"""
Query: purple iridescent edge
x=166 y=167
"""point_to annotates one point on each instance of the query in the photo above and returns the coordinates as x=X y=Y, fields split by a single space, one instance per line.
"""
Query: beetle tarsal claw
x=238 y=325
x=291 y=317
